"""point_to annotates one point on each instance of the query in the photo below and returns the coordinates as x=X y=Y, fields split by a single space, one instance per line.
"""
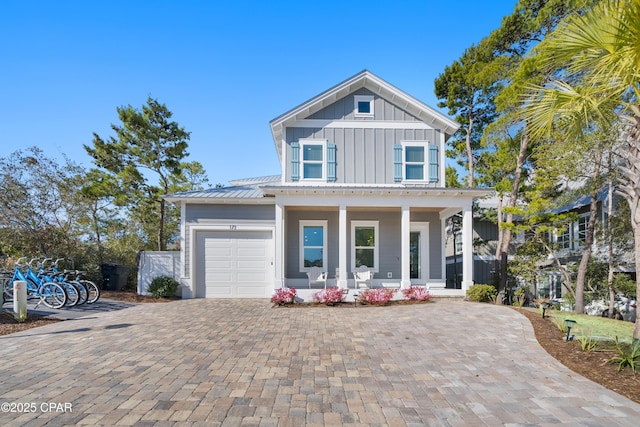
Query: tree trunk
x=611 y=265
x=161 y=227
x=588 y=238
x=513 y=199
x=470 y=182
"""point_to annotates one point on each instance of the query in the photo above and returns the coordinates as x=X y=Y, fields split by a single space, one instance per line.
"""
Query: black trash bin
x=114 y=276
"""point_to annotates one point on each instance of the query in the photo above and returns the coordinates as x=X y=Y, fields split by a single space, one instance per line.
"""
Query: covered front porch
x=398 y=234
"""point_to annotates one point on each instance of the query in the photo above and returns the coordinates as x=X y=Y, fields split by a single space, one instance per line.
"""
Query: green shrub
x=482 y=293
x=163 y=287
x=628 y=355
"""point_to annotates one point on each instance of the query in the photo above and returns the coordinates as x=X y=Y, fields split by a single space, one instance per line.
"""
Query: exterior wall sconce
x=568 y=323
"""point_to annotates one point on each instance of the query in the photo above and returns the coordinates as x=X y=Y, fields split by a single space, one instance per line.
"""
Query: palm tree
x=598 y=58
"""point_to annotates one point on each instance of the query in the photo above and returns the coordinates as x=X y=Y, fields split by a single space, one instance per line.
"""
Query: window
x=414 y=162
x=364 y=244
x=363 y=105
x=313 y=159
x=563 y=237
x=581 y=230
x=458 y=246
x=313 y=244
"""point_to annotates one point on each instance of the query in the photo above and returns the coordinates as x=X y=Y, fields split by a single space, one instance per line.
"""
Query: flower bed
x=284 y=296
x=416 y=293
x=329 y=296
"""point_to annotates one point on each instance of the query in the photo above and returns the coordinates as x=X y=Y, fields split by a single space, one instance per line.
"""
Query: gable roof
x=376 y=85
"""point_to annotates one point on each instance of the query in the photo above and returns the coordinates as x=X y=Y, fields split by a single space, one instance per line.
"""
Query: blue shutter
x=433 y=163
x=397 y=162
x=331 y=162
x=295 y=161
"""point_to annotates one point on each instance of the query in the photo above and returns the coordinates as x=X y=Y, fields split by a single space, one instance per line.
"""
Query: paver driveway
x=241 y=362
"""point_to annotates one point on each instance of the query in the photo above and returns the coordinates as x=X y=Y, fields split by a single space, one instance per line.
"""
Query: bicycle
x=51 y=294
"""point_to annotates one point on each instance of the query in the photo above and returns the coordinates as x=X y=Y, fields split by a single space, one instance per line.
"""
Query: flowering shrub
x=284 y=296
x=328 y=295
x=416 y=293
x=376 y=295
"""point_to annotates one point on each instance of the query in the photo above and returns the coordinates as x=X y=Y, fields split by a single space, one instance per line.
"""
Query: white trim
x=422 y=227
x=376 y=247
x=359 y=124
x=424 y=144
x=312 y=223
x=357 y=99
x=309 y=141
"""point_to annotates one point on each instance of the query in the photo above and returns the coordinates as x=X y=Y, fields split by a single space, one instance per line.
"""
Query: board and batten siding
x=343 y=109
x=389 y=233
x=211 y=214
x=363 y=155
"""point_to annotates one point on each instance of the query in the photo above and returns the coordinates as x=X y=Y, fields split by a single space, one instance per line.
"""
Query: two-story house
x=362 y=184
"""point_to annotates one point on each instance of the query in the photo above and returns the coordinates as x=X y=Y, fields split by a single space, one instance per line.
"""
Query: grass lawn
x=594 y=326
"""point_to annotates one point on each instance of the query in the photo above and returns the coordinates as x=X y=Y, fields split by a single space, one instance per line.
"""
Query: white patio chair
x=317 y=276
x=363 y=277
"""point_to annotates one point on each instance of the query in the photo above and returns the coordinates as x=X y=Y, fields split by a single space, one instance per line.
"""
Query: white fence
x=156 y=264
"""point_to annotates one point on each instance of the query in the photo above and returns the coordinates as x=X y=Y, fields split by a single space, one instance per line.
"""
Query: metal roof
x=241 y=189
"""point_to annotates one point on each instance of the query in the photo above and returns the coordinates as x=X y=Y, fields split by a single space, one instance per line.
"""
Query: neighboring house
x=570 y=241
x=362 y=184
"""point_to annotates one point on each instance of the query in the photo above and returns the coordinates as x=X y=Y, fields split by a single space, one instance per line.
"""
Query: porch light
x=545 y=305
x=568 y=323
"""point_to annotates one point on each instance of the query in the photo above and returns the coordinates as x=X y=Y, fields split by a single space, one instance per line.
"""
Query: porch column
x=342 y=247
x=279 y=255
x=405 y=255
x=467 y=247
x=443 y=248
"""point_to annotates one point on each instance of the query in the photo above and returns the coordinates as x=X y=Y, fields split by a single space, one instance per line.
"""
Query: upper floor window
x=313 y=159
x=563 y=237
x=363 y=105
x=417 y=161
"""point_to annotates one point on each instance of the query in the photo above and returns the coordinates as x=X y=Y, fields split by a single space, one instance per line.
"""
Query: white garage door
x=234 y=264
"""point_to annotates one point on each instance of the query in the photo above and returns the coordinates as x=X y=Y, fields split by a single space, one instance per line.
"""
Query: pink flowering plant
x=328 y=296
x=378 y=296
x=284 y=296
x=416 y=293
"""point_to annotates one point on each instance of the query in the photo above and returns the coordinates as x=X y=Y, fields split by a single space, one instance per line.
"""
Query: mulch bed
x=593 y=365
x=9 y=325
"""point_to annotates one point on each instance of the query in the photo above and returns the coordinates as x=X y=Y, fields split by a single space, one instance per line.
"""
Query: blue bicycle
x=50 y=293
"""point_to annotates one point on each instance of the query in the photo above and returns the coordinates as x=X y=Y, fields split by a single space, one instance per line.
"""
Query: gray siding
x=196 y=214
x=363 y=156
x=343 y=109
x=208 y=214
x=389 y=244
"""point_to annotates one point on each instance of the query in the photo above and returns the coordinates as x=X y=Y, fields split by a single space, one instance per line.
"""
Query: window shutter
x=397 y=162
x=295 y=161
x=331 y=162
x=433 y=163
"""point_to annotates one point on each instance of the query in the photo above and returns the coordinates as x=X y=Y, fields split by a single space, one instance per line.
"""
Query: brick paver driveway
x=241 y=362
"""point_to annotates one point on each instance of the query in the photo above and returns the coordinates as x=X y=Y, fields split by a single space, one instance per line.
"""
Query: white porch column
x=279 y=255
x=405 y=255
x=467 y=247
x=443 y=248
x=342 y=247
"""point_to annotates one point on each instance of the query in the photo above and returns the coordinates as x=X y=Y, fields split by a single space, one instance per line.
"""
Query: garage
x=234 y=264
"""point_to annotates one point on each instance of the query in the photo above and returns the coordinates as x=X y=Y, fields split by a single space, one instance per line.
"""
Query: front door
x=418 y=253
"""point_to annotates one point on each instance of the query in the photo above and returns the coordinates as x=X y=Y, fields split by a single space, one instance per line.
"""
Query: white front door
x=419 y=253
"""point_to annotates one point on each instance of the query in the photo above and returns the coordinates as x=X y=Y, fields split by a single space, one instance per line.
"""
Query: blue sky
x=224 y=68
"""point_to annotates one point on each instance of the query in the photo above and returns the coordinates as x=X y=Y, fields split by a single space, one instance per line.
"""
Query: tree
x=147 y=142
x=40 y=211
x=600 y=62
